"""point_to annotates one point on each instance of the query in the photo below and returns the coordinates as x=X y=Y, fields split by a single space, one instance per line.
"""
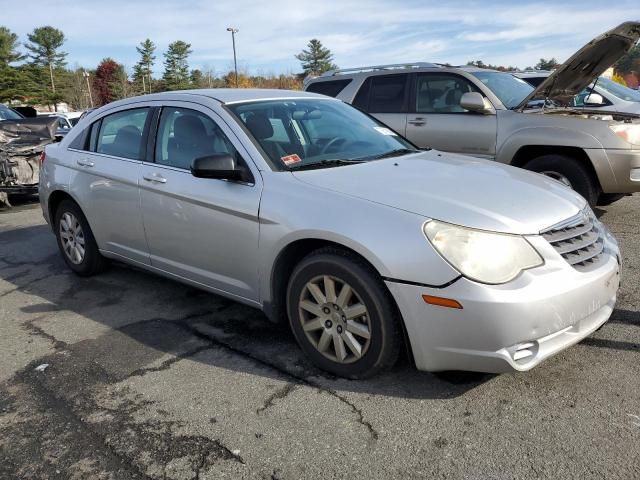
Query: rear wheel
x=568 y=171
x=76 y=241
x=342 y=315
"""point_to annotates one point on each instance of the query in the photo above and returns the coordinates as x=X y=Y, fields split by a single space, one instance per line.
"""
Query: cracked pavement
x=151 y=379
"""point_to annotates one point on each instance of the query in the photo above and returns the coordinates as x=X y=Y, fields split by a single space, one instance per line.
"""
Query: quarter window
x=331 y=88
x=184 y=135
x=121 y=134
x=439 y=93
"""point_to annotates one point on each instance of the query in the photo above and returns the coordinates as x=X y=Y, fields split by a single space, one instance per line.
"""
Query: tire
x=568 y=169
x=345 y=324
x=609 y=198
x=82 y=254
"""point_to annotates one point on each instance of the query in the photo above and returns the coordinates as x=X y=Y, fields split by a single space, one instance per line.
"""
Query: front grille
x=580 y=240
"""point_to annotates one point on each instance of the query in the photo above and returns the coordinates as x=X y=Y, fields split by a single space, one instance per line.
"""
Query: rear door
x=204 y=230
x=437 y=120
x=386 y=98
x=105 y=181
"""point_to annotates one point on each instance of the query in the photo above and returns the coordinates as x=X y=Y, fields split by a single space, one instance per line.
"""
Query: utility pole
x=233 y=40
x=85 y=74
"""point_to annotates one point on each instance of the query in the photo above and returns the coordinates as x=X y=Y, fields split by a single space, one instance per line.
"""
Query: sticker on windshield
x=385 y=131
x=291 y=159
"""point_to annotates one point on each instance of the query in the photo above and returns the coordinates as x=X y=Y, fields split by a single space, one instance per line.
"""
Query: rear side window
x=383 y=94
x=331 y=88
x=120 y=134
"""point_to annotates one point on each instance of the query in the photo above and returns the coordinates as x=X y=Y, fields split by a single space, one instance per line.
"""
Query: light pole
x=233 y=40
x=85 y=74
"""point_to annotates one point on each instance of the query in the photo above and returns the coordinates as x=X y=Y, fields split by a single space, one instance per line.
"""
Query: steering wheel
x=334 y=141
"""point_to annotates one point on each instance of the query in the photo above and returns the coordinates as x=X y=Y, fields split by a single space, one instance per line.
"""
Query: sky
x=358 y=32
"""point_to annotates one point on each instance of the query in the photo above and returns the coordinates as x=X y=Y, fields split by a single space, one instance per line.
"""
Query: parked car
x=22 y=141
x=609 y=95
x=303 y=206
x=494 y=115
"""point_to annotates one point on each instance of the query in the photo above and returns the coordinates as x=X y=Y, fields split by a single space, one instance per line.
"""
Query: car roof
x=231 y=95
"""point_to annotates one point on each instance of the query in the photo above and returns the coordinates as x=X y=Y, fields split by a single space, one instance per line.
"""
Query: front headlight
x=482 y=256
x=629 y=132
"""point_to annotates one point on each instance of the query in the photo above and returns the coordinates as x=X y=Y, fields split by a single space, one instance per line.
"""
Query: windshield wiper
x=391 y=153
x=324 y=163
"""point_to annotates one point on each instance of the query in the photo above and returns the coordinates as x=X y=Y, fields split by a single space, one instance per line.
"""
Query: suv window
x=184 y=135
x=121 y=134
x=383 y=94
x=441 y=93
x=331 y=88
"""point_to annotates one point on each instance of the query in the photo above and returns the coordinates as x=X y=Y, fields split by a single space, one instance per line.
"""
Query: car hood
x=462 y=190
x=586 y=65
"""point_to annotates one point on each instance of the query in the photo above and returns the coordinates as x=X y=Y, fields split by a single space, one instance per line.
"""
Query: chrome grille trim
x=579 y=240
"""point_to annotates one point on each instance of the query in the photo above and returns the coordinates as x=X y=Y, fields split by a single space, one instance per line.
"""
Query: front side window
x=184 y=135
x=510 y=90
x=120 y=134
x=441 y=93
x=297 y=133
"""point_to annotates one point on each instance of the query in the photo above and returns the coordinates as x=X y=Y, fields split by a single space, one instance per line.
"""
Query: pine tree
x=544 y=64
x=44 y=48
x=317 y=59
x=176 y=66
x=9 y=47
x=142 y=70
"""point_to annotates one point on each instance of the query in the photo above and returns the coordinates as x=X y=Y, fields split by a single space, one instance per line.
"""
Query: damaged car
x=22 y=141
x=491 y=114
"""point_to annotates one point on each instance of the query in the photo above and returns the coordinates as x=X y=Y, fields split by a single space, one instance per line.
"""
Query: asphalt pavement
x=127 y=375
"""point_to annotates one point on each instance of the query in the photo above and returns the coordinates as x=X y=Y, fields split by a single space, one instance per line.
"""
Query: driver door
x=203 y=230
x=437 y=120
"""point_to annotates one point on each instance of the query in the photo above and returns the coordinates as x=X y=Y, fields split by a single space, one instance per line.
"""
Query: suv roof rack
x=390 y=66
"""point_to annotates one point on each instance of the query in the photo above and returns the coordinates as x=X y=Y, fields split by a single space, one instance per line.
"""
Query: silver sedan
x=321 y=216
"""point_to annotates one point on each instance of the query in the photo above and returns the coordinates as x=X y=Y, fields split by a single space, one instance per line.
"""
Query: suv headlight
x=629 y=132
x=482 y=256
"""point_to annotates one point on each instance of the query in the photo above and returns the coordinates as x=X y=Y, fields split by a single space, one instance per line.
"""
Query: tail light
x=42 y=158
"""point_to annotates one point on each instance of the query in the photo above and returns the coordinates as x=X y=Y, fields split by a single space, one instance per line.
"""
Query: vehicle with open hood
x=495 y=115
x=601 y=94
x=22 y=141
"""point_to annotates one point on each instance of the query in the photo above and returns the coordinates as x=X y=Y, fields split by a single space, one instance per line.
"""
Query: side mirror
x=218 y=165
x=475 y=102
x=593 y=99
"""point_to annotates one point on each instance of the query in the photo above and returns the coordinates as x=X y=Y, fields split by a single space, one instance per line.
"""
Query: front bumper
x=618 y=170
x=513 y=326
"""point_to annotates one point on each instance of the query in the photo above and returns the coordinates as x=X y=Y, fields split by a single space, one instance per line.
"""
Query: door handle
x=155 y=177
x=85 y=163
x=417 y=121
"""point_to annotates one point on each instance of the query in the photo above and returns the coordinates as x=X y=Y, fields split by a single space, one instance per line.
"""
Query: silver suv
x=494 y=115
x=302 y=206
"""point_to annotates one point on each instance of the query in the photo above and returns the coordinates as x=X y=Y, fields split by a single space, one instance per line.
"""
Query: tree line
x=40 y=75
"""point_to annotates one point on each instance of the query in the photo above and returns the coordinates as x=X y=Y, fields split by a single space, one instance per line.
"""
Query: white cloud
x=357 y=31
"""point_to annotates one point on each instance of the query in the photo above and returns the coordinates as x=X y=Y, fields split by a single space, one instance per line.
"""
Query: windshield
x=620 y=91
x=297 y=133
x=8 y=114
x=509 y=89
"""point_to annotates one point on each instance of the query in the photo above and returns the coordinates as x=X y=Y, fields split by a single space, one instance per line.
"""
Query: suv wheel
x=76 y=241
x=569 y=171
x=342 y=316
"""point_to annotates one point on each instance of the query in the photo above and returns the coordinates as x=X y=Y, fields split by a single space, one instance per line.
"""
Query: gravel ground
x=147 y=378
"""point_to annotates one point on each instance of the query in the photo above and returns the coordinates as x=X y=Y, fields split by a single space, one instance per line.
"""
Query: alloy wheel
x=335 y=319
x=72 y=238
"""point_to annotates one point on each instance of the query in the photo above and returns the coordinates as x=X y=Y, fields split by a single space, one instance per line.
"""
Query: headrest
x=189 y=126
x=260 y=126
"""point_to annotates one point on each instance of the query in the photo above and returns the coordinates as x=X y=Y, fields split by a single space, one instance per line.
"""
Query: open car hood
x=585 y=65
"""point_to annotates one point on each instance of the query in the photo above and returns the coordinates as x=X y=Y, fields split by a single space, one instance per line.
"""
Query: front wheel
x=569 y=171
x=342 y=316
